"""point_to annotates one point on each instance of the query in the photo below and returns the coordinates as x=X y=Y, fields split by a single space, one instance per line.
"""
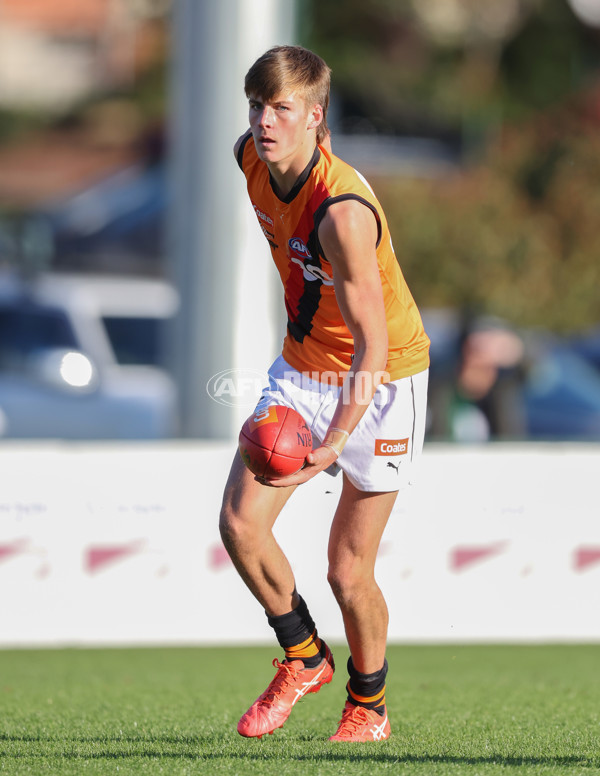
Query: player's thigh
x=248 y=505
x=358 y=525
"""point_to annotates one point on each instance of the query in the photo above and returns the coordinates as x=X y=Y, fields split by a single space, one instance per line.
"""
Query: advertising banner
x=119 y=544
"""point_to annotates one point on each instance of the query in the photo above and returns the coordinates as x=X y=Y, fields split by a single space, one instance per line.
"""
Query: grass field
x=454 y=710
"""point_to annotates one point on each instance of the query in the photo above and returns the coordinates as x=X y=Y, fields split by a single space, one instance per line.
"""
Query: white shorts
x=382 y=451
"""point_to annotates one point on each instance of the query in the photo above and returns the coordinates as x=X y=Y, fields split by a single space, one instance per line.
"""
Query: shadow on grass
x=197 y=748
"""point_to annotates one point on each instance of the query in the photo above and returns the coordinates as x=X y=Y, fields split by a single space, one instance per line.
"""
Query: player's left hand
x=320 y=459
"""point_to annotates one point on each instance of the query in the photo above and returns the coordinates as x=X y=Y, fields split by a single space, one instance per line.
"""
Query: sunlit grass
x=461 y=709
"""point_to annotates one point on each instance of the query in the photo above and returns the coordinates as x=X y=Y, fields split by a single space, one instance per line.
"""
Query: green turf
x=454 y=710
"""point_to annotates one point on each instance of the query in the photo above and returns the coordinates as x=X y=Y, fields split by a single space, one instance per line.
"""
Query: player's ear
x=315 y=116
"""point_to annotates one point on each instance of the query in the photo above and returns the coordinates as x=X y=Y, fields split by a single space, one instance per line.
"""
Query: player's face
x=280 y=128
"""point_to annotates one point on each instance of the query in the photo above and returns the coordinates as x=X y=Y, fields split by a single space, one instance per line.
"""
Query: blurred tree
x=551 y=57
x=513 y=232
x=416 y=65
x=515 y=236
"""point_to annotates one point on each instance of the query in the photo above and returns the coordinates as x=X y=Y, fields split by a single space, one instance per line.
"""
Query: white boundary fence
x=118 y=544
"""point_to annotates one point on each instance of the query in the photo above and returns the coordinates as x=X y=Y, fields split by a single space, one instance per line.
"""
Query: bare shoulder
x=345 y=221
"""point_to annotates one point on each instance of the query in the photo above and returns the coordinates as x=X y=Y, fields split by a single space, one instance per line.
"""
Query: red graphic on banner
x=99 y=556
x=461 y=557
x=218 y=557
x=584 y=557
x=14 y=548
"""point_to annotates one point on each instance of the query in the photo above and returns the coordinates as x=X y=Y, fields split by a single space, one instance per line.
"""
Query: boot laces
x=285 y=675
x=353 y=718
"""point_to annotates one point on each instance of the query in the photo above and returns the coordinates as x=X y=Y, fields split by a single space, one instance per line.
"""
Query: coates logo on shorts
x=237 y=387
x=391 y=447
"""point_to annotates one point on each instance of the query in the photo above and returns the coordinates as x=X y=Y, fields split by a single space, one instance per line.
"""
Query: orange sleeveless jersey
x=318 y=339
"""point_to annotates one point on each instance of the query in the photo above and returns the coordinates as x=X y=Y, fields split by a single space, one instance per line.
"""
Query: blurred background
x=476 y=123
x=139 y=310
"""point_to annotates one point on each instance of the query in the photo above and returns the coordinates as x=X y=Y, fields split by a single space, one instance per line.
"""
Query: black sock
x=297 y=634
x=367 y=690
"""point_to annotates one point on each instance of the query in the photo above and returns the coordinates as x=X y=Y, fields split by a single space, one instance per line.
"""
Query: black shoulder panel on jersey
x=240 y=153
x=323 y=207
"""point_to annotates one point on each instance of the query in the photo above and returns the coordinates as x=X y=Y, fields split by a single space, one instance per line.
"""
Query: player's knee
x=345 y=582
x=234 y=530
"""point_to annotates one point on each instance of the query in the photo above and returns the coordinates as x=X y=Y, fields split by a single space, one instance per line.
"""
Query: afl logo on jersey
x=299 y=254
x=298 y=248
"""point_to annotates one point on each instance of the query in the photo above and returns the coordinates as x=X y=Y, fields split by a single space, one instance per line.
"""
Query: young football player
x=354 y=364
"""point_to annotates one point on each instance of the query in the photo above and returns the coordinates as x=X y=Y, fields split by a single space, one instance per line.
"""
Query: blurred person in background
x=490 y=378
x=477 y=381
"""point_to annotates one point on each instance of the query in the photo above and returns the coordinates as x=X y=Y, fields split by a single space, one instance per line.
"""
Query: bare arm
x=348 y=235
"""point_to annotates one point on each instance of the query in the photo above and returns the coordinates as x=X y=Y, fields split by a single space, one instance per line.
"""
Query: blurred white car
x=81 y=357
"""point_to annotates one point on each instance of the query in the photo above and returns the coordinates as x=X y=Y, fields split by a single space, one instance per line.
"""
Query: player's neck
x=284 y=174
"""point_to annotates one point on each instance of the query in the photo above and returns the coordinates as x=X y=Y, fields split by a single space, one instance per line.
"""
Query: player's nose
x=266 y=117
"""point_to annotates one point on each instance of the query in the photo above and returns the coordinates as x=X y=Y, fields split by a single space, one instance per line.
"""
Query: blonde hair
x=294 y=69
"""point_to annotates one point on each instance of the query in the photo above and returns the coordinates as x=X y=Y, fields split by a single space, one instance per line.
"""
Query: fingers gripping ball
x=274 y=442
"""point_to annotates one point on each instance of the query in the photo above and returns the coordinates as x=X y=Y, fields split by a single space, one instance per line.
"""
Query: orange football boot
x=291 y=682
x=360 y=724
